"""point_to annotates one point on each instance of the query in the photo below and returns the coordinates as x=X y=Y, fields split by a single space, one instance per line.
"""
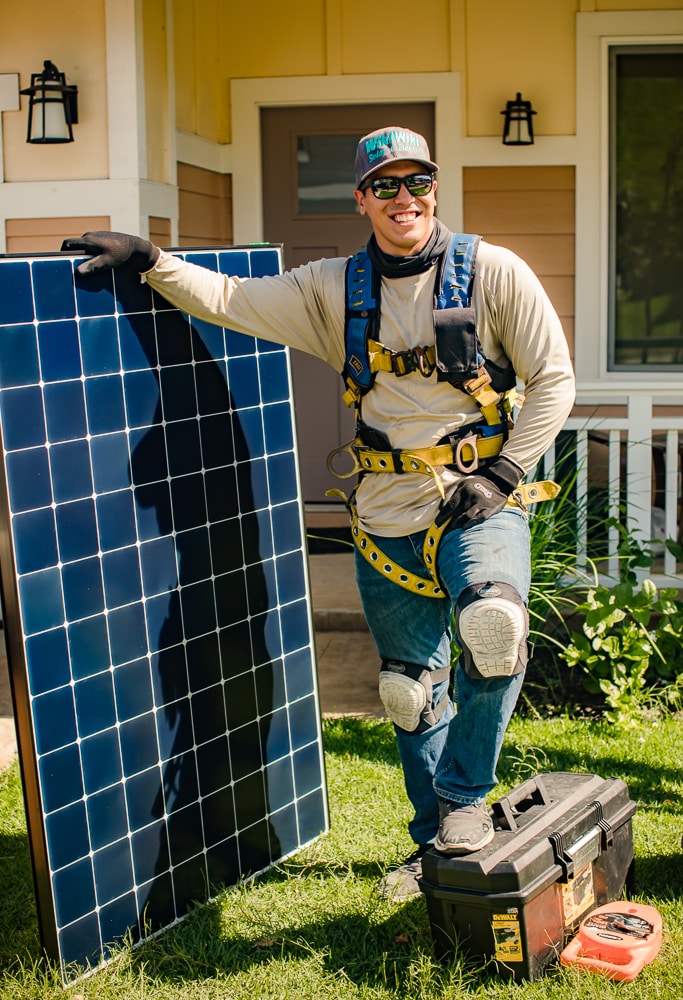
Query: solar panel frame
x=156 y=599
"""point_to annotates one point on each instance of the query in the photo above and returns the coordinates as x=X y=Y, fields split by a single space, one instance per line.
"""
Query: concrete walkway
x=347 y=660
x=348 y=663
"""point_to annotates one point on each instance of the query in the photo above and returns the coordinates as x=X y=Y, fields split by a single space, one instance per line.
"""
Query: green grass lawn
x=315 y=927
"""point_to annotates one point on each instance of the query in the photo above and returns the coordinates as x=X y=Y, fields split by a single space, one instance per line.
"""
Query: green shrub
x=628 y=646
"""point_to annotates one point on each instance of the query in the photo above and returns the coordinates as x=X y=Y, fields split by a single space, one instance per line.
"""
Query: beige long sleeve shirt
x=304 y=308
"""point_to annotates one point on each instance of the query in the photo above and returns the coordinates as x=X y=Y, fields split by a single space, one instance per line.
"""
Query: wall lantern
x=52 y=106
x=518 y=129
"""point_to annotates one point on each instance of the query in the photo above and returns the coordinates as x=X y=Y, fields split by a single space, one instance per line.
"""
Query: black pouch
x=502 y=379
x=457 y=355
x=372 y=438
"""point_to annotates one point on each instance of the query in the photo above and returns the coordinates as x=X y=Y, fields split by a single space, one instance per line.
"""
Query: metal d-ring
x=345 y=449
x=424 y=365
x=471 y=440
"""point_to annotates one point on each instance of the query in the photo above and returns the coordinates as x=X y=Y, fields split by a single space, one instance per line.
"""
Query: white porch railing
x=627 y=449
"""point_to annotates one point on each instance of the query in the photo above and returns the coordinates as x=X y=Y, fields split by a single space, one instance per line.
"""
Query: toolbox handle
x=532 y=792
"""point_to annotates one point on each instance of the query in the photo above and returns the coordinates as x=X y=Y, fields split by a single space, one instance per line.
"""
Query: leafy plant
x=632 y=555
x=621 y=647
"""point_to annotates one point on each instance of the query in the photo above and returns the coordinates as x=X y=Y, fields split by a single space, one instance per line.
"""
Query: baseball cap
x=391 y=143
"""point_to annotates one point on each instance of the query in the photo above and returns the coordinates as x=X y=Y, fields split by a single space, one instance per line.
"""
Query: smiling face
x=402 y=225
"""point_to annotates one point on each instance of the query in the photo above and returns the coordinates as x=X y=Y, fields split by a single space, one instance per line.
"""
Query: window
x=325 y=174
x=646 y=208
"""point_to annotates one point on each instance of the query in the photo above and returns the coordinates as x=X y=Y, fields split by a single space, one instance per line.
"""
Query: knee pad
x=492 y=623
x=406 y=689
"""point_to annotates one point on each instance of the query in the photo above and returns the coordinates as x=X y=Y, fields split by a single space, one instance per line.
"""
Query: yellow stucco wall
x=71 y=34
x=499 y=47
x=202 y=86
x=527 y=47
x=157 y=124
x=414 y=39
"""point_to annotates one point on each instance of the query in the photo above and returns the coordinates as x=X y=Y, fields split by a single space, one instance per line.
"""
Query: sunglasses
x=388 y=187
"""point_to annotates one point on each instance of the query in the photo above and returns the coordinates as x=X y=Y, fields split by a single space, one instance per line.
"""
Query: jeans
x=456 y=758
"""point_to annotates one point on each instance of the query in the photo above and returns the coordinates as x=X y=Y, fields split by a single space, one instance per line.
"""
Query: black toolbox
x=563 y=845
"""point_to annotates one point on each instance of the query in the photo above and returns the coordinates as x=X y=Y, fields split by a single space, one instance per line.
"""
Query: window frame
x=614 y=50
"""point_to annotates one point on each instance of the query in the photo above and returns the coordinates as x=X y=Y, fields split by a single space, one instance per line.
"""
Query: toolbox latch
x=572 y=858
x=564 y=860
x=607 y=838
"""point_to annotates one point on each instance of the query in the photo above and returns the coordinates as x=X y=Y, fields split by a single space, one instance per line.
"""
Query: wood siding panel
x=46 y=235
x=519 y=179
x=160 y=231
x=523 y=211
x=545 y=253
x=530 y=210
x=561 y=293
x=204 y=207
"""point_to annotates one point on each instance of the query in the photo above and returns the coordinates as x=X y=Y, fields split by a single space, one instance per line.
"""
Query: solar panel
x=155 y=598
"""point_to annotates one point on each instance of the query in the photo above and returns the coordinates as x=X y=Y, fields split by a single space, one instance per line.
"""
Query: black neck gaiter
x=401 y=267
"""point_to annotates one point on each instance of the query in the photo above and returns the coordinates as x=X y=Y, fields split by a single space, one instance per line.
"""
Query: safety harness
x=457 y=358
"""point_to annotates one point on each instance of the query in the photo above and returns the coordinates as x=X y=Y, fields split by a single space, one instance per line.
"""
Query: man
x=438 y=515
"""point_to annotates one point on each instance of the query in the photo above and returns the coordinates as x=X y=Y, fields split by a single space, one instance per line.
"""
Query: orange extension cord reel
x=616 y=940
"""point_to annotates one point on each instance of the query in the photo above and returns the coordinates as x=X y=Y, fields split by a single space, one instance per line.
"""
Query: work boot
x=401 y=884
x=463 y=829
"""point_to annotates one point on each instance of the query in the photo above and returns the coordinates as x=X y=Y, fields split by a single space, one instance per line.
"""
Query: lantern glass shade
x=518 y=129
x=52 y=106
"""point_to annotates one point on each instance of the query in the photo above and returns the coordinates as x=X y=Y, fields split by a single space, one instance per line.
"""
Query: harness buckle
x=517 y=497
x=469 y=440
x=345 y=449
x=481 y=380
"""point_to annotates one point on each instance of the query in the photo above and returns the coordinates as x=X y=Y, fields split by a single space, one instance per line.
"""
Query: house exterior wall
x=158 y=92
x=163 y=82
x=72 y=35
x=531 y=211
x=496 y=45
x=168 y=81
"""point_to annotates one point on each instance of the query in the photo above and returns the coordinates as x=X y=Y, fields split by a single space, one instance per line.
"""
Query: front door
x=308 y=205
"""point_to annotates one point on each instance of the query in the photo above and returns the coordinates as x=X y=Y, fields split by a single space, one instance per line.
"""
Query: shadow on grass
x=660 y=875
x=376 y=951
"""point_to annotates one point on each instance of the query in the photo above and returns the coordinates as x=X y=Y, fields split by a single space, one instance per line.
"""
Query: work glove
x=477 y=496
x=109 y=250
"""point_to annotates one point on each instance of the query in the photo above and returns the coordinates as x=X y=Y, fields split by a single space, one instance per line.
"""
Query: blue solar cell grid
x=156 y=599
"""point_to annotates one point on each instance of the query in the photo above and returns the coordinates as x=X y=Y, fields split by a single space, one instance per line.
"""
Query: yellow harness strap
x=423 y=361
x=527 y=493
x=387 y=567
x=464 y=454
x=381 y=359
x=467 y=450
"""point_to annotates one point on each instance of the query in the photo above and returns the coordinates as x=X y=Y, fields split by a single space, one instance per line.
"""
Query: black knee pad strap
x=419 y=674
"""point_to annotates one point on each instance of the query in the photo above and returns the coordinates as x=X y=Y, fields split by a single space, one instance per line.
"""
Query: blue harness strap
x=458 y=271
x=361 y=311
x=362 y=305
